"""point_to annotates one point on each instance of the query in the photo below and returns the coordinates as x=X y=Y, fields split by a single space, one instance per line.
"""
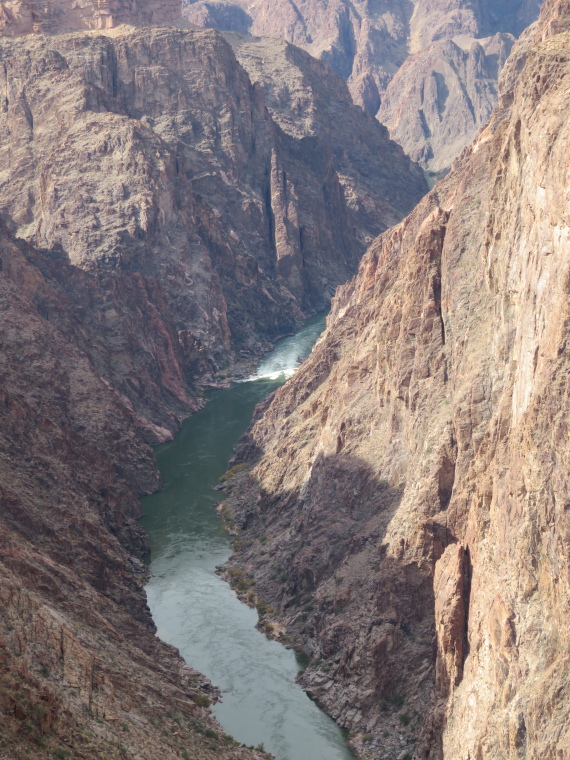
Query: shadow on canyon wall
x=320 y=555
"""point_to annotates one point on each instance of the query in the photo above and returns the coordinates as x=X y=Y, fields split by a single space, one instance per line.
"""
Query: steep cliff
x=369 y=41
x=443 y=95
x=81 y=673
x=307 y=100
x=151 y=151
x=407 y=512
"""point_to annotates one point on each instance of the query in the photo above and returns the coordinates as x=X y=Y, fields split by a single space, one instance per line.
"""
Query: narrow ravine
x=195 y=610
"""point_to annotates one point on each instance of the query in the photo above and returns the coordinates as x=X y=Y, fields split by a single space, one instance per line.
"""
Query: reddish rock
x=442 y=57
x=406 y=514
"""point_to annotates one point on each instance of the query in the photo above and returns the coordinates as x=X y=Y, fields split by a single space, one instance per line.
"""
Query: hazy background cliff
x=406 y=514
x=427 y=69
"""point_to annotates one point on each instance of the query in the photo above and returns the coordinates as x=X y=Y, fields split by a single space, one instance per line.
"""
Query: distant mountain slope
x=367 y=43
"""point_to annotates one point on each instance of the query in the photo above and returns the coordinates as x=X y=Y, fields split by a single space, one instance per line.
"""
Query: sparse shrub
x=393 y=700
x=202 y=700
x=367 y=738
x=404 y=719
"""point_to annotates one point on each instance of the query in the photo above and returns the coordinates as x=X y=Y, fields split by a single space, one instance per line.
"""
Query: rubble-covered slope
x=407 y=511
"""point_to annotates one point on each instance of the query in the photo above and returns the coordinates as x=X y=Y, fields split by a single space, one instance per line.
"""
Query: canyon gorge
x=405 y=511
x=159 y=229
x=173 y=200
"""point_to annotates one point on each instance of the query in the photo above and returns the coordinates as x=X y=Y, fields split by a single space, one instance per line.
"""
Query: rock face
x=18 y=17
x=407 y=512
x=442 y=96
x=151 y=151
x=81 y=673
x=367 y=42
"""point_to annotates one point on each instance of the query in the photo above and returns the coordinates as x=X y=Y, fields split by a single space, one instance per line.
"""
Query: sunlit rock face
x=452 y=51
x=407 y=512
x=151 y=150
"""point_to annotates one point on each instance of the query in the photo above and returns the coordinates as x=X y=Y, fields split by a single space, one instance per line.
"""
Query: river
x=195 y=610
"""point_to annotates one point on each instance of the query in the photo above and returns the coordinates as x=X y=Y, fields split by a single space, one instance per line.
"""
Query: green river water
x=195 y=610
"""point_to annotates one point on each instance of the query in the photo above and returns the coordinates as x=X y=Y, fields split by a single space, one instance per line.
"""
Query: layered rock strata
x=151 y=151
x=443 y=55
x=406 y=515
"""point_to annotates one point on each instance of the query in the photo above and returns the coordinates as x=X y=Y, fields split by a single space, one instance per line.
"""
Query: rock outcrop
x=407 y=511
x=368 y=43
x=151 y=151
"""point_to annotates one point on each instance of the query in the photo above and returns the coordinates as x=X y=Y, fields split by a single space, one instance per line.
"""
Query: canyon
x=402 y=500
x=172 y=201
x=427 y=69
x=158 y=231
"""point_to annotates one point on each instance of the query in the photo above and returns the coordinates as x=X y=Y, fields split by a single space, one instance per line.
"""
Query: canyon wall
x=406 y=512
x=82 y=674
x=442 y=58
x=151 y=151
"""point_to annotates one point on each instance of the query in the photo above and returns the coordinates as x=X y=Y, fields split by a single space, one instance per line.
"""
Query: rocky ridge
x=443 y=58
x=406 y=511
